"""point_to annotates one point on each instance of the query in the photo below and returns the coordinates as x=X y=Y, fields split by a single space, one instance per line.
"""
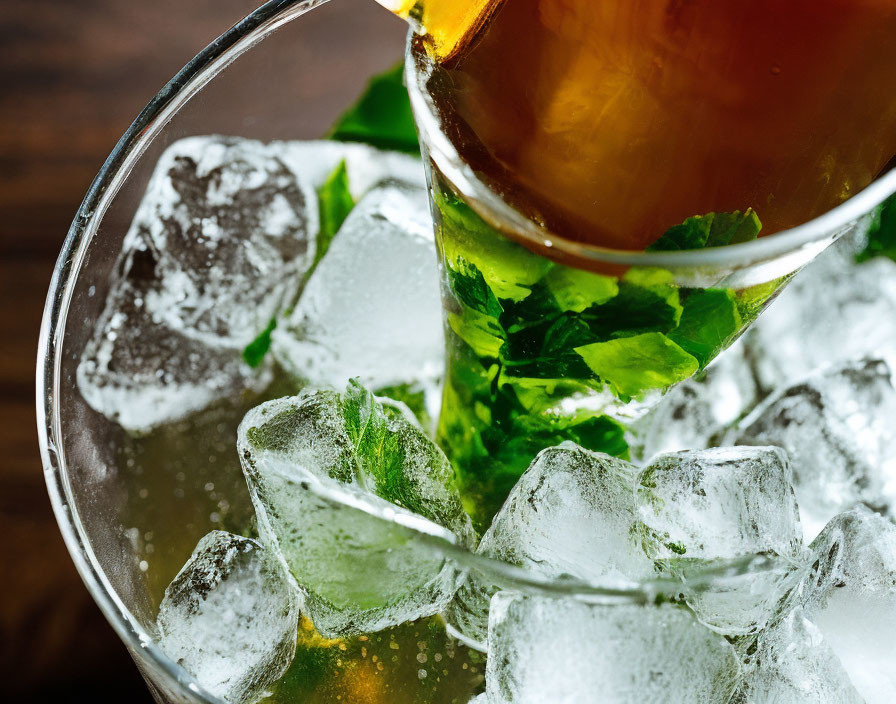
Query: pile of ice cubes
x=221 y=246
x=812 y=623
x=359 y=522
x=357 y=517
x=356 y=513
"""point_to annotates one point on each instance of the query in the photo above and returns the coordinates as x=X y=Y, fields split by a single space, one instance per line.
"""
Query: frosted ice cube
x=366 y=166
x=696 y=411
x=851 y=596
x=230 y=617
x=833 y=311
x=232 y=230
x=371 y=309
x=573 y=513
x=837 y=426
x=793 y=664
x=564 y=651
x=139 y=372
x=348 y=489
x=725 y=503
x=722 y=502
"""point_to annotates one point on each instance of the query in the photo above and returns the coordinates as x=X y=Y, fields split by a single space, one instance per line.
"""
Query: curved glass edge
x=824 y=229
x=174 y=95
x=609 y=591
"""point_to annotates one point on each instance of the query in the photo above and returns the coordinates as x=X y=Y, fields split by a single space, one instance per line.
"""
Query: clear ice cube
x=573 y=513
x=721 y=504
x=230 y=617
x=837 y=426
x=371 y=309
x=564 y=651
x=349 y=490
x=367 y=167
x=793 y=664
x=851 y=596
x=833 y=311
x=232 y=230
x=697 y=411
x=141 y=373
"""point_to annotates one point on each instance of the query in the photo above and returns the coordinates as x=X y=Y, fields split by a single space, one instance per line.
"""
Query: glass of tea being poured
x=619 y=189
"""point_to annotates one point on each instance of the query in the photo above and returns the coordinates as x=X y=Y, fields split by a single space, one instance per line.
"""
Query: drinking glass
x=131 y=509
x=550 y=339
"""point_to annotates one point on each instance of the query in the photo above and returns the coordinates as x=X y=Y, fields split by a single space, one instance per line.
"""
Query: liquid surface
x=612 y=120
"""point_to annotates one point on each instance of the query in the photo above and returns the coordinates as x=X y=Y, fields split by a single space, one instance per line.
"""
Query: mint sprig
x=382 y=116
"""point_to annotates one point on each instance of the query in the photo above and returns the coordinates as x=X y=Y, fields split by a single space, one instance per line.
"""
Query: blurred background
x=74 y=74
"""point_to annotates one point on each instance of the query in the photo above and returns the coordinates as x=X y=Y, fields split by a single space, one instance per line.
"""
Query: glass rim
x=188 y=82
x=500 y=214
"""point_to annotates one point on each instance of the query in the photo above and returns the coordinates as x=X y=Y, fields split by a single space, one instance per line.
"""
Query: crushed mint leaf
x=710 y=230
x=335 y=203
x=709 y=321
x=634 y=365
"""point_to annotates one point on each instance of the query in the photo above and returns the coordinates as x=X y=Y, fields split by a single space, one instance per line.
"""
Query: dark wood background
x=73 y=73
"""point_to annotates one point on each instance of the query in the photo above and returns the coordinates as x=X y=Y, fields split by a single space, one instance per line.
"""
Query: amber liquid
x=611 y=120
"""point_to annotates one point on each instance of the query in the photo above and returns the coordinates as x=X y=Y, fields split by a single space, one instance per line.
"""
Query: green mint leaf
x=575 y=290
x=545 y=351
x=708 y=323
x=412 y=396
x=509 y=268
x=482 y=333
x=635 y=310
x=753 y=300
x=378 y=448
x=335 y=202
x=478 y=322
x=391 y=451
x=382 y=116
x=633 y=365
x=881 y=233
x=254 y=353
x=469 y=286
x=710 y=230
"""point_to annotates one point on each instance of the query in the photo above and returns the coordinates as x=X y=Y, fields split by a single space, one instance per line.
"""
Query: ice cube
x=697 y=411
x=722 y=502
x=230 y=617
x=139 y=372
x=793 y=664
x=232 y=230
x=564 y=651
x=371 y=309
x=837 y=427
x=725 y=503
x=851 y=596
x=349 y=490
x=573 y=513
x=366 y=166
x=833 y=311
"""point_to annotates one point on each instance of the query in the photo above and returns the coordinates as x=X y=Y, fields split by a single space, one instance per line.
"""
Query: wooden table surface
x=74 y=74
